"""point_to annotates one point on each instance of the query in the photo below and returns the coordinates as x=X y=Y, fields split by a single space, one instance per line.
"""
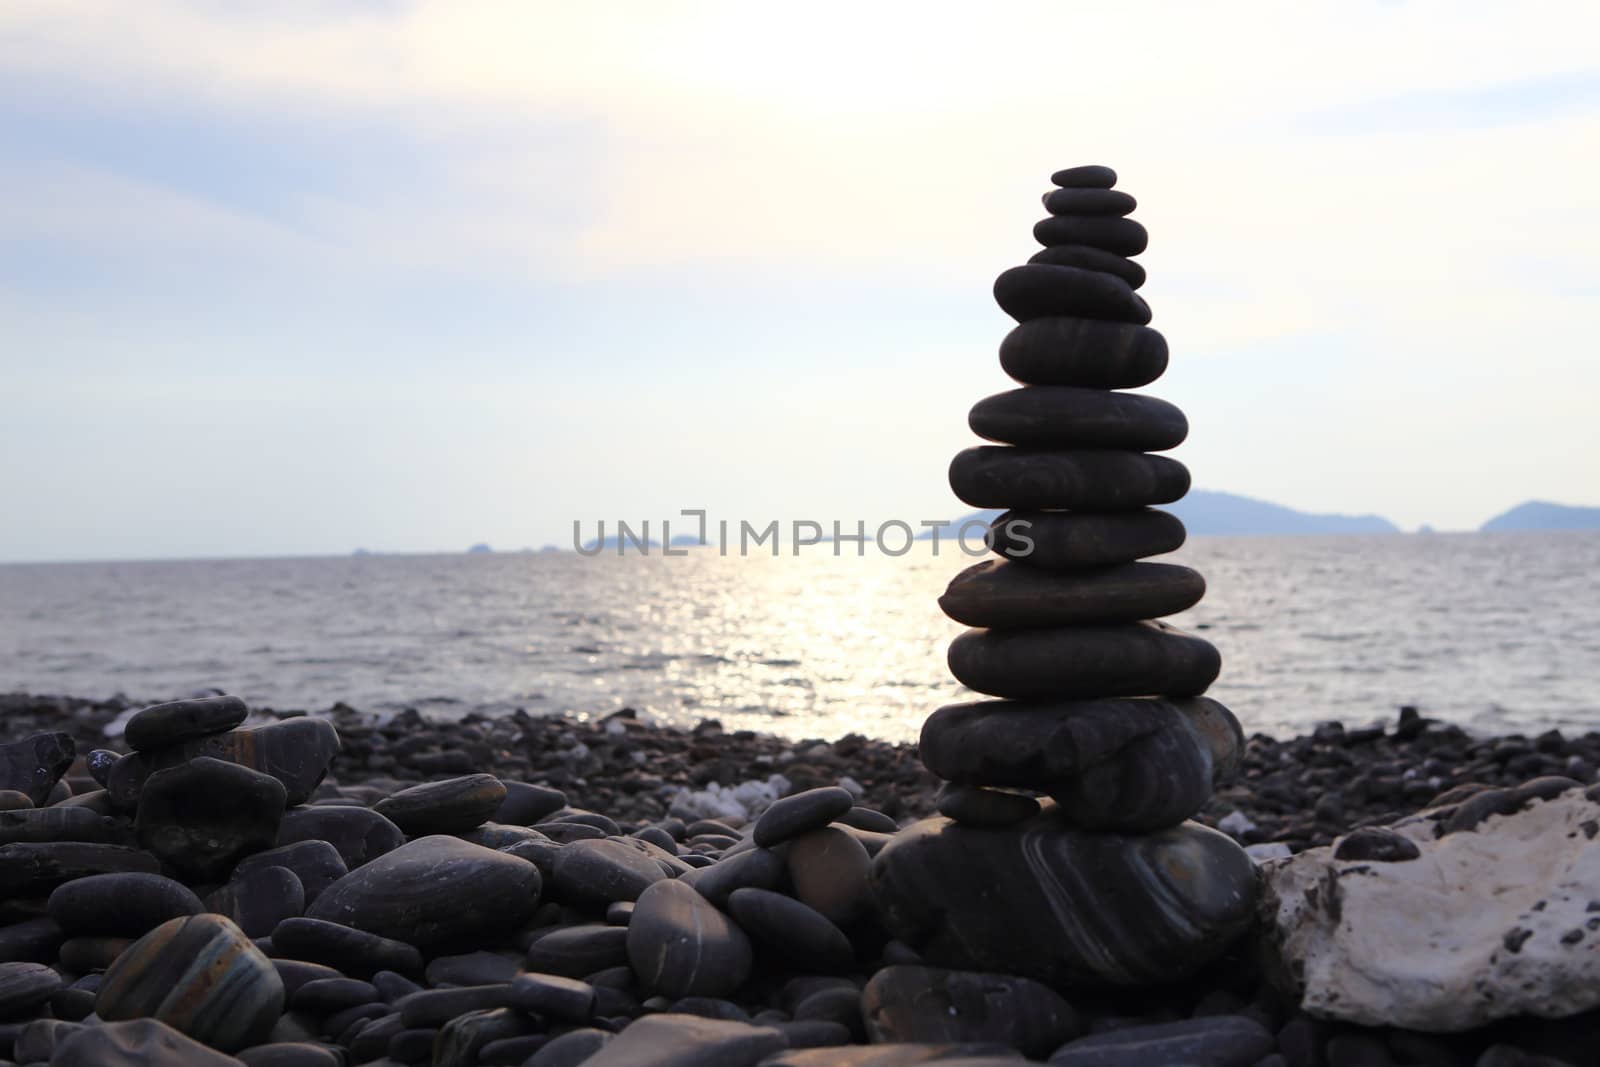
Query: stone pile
x=1100 y=707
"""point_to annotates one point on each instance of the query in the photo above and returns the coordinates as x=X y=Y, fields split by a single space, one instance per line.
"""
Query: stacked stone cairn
x=1099 y=705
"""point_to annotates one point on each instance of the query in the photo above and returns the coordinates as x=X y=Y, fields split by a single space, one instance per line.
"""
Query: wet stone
x=1065 y=417
x=163 y=725
x=436 y=893
x=679 y=944
x=592 y=873
x=453 y=806
x=355 y=952
x=258 y=900
x=35 y=764
x=1122 y=659
x=797 y=813
x=932 y=1004
x=1064 y=540
x=122 y=905
x=756 y=868
x=202 y=816
x=999 y=476
x=1093 y=353
x=136 y=1043
x=792 y=931
x=359 y=834
x=317 y=865
x=201 y=975
x=1038 y=290
x=1004 y=594
x=99 y=762
x=1124 y=237
x=526 y=803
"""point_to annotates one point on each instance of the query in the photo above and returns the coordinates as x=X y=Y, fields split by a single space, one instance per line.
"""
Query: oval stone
x=453 y=806
x=258 y=900
x=1064 y=416
x=35 y=868
x=1125 y=237
x=577 y=951
x=596 y=873
x=932 y=1004
x=436 y=893
x=999 y=476
x=799 y=935
x=1119 y=659
x=1038 y=290
x=1131 y=764
x=316 y=865
x=1091 y=259
x=1002 y=594
x=982 y=806
x=1066 y=540
x=200 y=817
x=680 y=945
x=136 y=1043
x=58 y=823
x=360 y=835
x=1095 y=353
x=25 y=986
x=200 y=975
x=1089 y=202
x=161 y=725
x=121 y=905
x=828 y=869
x=296 y=752
x=35 y=764
x=797 y=813
x=1063 y=906
x=357 y=953
x=1088 y=176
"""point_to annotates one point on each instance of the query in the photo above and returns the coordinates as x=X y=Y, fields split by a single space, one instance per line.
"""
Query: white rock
x=1235 y=823
x=716 y=801
x=853 y=787
x=1268 y=851
x=1484 y=924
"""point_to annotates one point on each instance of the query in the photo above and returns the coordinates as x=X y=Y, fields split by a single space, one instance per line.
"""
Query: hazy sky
x=297 y=278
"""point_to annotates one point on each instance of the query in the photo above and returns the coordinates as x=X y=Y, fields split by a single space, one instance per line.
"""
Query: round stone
x=1064 y=416
x=258 y=900
x=355 y=952
x=1120 y=659
x=24 y=987
x=1040 y=290
x=14 y=800
x=1000 y=476
x=200 y=975
x=1089 y=176
x=799 y=935
x=1094 y=353
x=161 y=725
x=931 y=1004
x=1124 y=237
x=1091 y=259
x=1067 y=540
x=1002 y=594
x=980 y=806
x=453 y=806
x=1112 y=764
x=680 y=945
x=120 y=905
x=526 y=803
x=1089 y=202
x=99 y=762
x=755 y=868
x=436 y=893
x=828 y=869
x=136 y=1043
x=596 y=873
x=550 y=996
x=577 y=951
x=35 y=764
x=296 y=752
x=360 y=835
x=1063 y=906
x=316 y=865
x=201 y=816
x=797 y=813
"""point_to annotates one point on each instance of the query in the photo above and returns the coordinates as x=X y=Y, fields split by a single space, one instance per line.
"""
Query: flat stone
x=1066 y=907
x=120 y=905
x=436 y=893
x=1089 y=176
x=30 y=941
x=57 y=823
x=200 y=817
x=1064 y=417
x=34 y=869
x=1039 y=290
x=1214 y=1040
x=1004 y=595
x=200 y=975
x=1124 y=237
x=797 y=813
x=315 y=863
x=1112 y=764
x=1069 y=540
x=680 y=945
x=26 y=986
x=480 y=967
x=35 y=764
x=526 y=803
x=296 y=752
x=164 y=725
x=460 y=1039
x=798 y=934
x=1089 y=202
x=1091 y=259
x=933 y=1004
x=552 y=996
x=1478 y=926
x=136 y=1043
x=671 y=1040
x=756 y=868
x=828 y=870
x=581 y=950
x=1116 y=659
x=980 y=806
x=1094 y=353
x=571 y=1048
x=596 y=873
x=359 y=834
x=258 y=900
x=291 y=1054
x=999 y=476
x=357 y=953
x=435 y=1007
x=453 y=806
x=324 y=996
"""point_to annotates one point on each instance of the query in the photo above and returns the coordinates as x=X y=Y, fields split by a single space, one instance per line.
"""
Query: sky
x=300 y=278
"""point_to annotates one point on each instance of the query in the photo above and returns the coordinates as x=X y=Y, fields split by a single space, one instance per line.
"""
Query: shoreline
x=1301 y=792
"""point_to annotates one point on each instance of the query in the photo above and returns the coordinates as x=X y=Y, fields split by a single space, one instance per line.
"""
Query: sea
x=1496 y=632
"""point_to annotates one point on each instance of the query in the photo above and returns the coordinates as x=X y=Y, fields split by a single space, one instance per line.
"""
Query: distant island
x=1543 y=515
x=479 y=549
x=1206 y=512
